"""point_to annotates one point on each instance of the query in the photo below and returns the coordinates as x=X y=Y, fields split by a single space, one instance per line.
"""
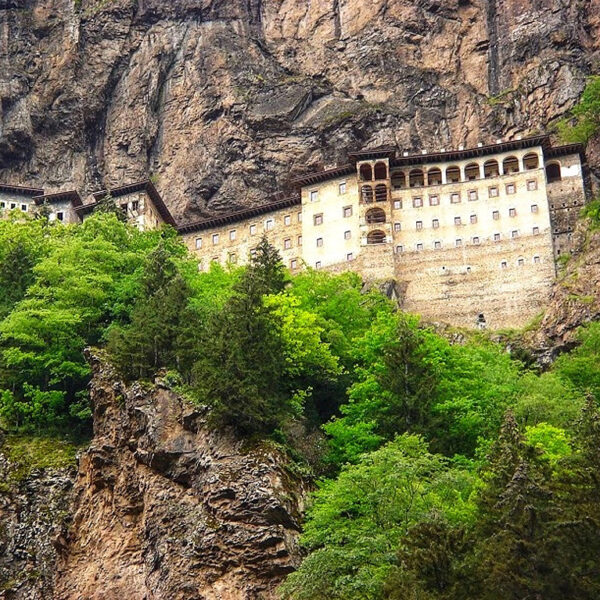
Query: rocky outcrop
x=166 y=508
x=223 y=101
x=575 y=297
x=34 y=515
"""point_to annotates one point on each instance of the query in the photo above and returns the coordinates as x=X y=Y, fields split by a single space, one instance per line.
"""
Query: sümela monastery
x=468 y=236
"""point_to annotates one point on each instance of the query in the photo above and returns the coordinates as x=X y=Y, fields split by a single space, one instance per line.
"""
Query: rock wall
x=223 y=101
x=34 y=515
x=165 y=508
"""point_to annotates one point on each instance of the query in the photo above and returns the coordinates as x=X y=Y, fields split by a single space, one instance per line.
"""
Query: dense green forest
x=446 y=465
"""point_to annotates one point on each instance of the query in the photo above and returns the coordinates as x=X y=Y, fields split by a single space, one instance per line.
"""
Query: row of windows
x=458 y=243
x=318 y=264
x=268 y=225
x=13 y=206
x=435 y=223
x=418 y=177
x=472 y=195
x=342 y=189
x=59 y=216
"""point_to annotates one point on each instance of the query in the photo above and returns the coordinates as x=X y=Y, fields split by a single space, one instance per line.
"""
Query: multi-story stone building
x=470 y=236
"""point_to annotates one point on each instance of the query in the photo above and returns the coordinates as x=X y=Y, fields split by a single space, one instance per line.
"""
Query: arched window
x=416 y=178
x=366 y=192
x=452 y=174
x=376 y=237
x=553 y=172
x=434 y=176
x=375 y=215
x=381 y=192
x=380 y=170
x=510 y=165
x=398 y=180
x=366 y=172
x=491 y=169
x=531 y=161
x=472 y=171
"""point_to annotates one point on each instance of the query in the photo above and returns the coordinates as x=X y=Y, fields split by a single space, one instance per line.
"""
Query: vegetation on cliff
x=449 y=470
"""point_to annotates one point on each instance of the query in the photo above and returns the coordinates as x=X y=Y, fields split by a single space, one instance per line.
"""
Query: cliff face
x=161 y=507
x=224 y=100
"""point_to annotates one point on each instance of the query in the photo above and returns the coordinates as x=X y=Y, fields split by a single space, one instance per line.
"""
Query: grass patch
x=30 y=453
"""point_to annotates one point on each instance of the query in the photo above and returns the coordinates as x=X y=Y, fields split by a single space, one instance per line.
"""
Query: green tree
x=240 y=371
x=359 y=520
x=584 y=121
x=151 y=340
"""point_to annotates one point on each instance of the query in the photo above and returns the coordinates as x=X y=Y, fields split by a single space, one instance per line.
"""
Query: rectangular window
x=399 y=249
x=232 y=234
x=124 y=207
x=496 y=215
x=419 y=247
x=511 y=188
x=514 y=233
x=435 y=223
x=417 y=202
x=347 y=211
x=536 y=231
x=299 y=240
x=397 y=226
x=419 y=225
x=293 y=263
x=493 y=192
x=455 y=198
x=347 y=235
x=60 y=216
x=536 y=259
x=512 y=212
x=24 y=207
x=252 y=229
x=287 y=220
x=476 y=241
x=269 y=224
x=473 y=219
x=521 y=262
x=496 y=237
x=314 y=195
x=397 y=203
x=457 y=220
x=342 y=188
x=135 y=205
x=534 y=208
x=434 y=200
x=319 y=242
x=215 y=239
x=3 y=204
x=472 y=195
x=532 y=185
x=287 y=244
x=318 y=219
x=349 y=256
x=437 y=245
x=318 y=264
x=232 y=258
x=299 y=217
x=504 y=264
x=13 y=205
x=458 y=243
x=198 y=243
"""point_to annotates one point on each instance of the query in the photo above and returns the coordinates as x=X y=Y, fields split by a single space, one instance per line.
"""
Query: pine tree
x=508 y=558
x=150 y=341
x=240 y=370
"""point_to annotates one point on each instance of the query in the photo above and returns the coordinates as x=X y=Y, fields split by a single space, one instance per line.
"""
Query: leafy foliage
x=584 y=121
